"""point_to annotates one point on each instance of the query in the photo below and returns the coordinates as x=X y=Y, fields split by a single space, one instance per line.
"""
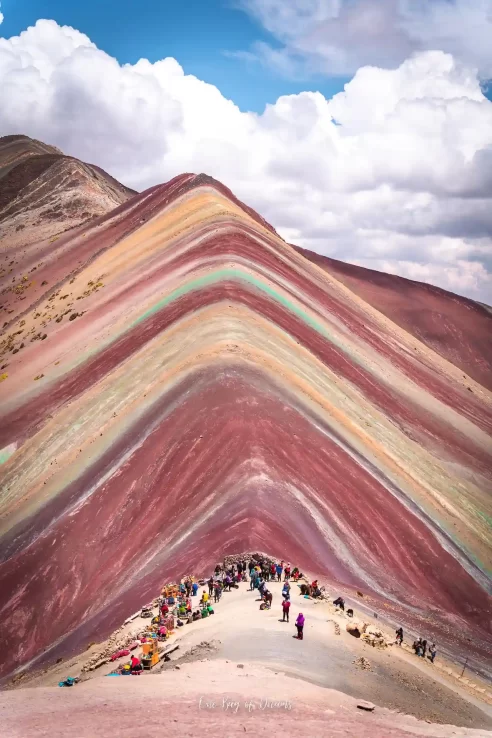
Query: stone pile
x=235 y=558
x=375 y=637
x=116 y=642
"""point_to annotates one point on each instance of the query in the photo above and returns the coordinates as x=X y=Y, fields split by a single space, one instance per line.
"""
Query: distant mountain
x=44 y=193
x=455 y=327
x=179 y=383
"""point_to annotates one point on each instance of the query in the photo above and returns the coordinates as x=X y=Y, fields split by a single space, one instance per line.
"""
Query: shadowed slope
x=196 y=386
x=43 y=192
x=17 y=148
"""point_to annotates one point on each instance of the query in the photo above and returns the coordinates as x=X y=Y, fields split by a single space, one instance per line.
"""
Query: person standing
x=399 y=636
x=285 y=610
x=216 y=591
x=287 y=573
x=278 y=569
x=300 y=626
x=432 y=653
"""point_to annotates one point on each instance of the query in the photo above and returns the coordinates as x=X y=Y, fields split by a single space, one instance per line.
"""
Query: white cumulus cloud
x=339 y=36
x=393 y=173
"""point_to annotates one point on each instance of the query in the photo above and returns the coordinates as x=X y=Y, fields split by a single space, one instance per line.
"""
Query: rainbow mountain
x=179 y=383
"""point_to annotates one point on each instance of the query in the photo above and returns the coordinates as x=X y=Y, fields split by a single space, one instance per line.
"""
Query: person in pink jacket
x=300 y=626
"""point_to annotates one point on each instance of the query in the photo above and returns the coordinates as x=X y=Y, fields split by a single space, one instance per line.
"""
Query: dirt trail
x=240 y=632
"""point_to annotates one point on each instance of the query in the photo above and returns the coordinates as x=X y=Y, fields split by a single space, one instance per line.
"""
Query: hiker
x=251 y=566
x=286 y=590
x=339 y=602
x=262 y=587
x=210 y=586
x=287 y=573
x=217 y=570
x=216 y=591
x=252 y=580
x=424 y=649
x=194 y=587
x=300 y=626
x=417 y=646
x=268 y=597
x=188 y=587
x=399 y=636
x=135 y=664
x=285 y=610
x=278 y=569
x=204 y=597
x=273 y=571
x=432 y=653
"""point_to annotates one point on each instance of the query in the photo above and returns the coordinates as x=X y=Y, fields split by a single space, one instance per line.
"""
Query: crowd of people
x=420 y=646
x=177 y=604
x=261 y=572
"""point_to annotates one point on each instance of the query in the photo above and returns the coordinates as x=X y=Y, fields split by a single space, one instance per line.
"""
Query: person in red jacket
x=285 y=610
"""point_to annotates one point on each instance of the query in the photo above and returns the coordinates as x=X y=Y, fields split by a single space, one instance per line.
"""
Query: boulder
x=363 y=705
x=356 y=628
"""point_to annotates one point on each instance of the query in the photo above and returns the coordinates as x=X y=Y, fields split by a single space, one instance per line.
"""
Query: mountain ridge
x=175 y=366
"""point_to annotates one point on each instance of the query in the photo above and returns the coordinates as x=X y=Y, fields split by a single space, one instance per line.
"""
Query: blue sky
x=197 y=33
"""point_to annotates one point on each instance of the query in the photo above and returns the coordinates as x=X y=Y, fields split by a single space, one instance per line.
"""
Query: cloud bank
x=394 y=173
x=339 y=36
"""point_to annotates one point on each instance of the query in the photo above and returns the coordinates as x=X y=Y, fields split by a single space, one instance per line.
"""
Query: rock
x=177 y=667
x=240 y=666
x=368 y=706
x=356 y=628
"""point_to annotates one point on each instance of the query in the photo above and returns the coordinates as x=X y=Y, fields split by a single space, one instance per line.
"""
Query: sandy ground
x=206 y=697
x=240 y=633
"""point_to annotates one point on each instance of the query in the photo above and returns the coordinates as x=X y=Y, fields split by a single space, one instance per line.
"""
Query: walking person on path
x=285 y=610
x=300 y=626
